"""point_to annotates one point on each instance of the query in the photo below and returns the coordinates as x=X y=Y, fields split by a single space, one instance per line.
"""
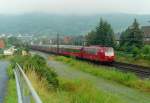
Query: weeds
x=128 y=79
x=38 y=64
x=127 y=58
x=76 y=91
x=11 y=96
x=28 y=63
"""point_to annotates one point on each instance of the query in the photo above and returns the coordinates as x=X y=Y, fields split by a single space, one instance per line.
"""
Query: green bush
x=10 y=72
x=146 y=52
x=146 y=49
x=38 y=64
x=135 y=52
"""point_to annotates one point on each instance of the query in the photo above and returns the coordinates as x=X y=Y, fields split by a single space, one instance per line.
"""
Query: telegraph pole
x=57 y=43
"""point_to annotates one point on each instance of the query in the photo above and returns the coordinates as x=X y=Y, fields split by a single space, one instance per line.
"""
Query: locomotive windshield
x=109 y=52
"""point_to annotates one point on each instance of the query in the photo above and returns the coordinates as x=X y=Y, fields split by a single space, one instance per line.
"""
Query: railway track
x=141 y=71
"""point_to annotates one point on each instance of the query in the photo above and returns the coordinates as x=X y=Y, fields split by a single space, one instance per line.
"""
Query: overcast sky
x=75 y=6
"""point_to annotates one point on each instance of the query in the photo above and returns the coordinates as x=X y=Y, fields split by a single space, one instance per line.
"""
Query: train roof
x=95 y=46
x=71 y=46
x=76 y=47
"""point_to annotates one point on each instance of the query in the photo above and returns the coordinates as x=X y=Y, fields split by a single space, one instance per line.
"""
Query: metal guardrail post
x=22 y=81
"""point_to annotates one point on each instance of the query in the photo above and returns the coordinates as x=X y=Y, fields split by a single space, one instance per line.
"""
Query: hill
x=49 y=24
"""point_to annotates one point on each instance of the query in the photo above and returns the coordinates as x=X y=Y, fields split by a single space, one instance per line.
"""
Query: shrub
x=146 y=49
x=146 y=52
x=10 y=72
x=135 y=52
x=39 y=65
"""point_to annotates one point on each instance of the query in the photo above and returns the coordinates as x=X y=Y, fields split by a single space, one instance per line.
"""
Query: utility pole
x=57 y=43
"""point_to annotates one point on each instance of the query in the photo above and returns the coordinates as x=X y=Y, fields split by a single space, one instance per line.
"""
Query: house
x=67 y=39
x=10 y=51
x=2 y=44
x=146 y=33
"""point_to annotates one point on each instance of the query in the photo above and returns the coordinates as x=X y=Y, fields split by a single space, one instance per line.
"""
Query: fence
x=25 y=90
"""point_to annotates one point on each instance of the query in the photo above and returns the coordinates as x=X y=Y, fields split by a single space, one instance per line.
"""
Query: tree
x=123 y=37
x=103 y=35
x=132 y=36
x=14 y=41
x=91 y=38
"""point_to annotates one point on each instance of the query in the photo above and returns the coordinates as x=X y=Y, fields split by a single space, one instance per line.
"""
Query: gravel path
x=129 y=95
x=3 y=79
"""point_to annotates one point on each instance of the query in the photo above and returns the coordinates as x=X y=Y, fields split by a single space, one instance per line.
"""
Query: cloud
x=75 y=6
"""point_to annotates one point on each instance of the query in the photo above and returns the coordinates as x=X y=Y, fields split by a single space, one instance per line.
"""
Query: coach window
x=91 y=50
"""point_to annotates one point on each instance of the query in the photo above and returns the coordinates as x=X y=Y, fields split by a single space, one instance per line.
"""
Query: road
x=3 y=79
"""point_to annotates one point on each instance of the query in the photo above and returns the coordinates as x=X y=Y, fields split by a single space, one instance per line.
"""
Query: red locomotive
x=94 y=53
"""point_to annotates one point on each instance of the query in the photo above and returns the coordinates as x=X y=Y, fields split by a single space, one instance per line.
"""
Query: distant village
x=74 y=40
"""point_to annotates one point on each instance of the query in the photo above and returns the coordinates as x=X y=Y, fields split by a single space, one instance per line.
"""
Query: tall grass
x=77 y=91
x=5 y=57
x=122 y=57
x=128 y=79
x=35 y=63
x=38 y=64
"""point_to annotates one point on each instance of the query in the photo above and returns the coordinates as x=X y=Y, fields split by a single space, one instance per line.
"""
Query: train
x=92 y=53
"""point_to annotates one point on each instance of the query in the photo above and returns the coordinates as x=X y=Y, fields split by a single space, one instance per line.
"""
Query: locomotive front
x=106 y=54
x=109 y=54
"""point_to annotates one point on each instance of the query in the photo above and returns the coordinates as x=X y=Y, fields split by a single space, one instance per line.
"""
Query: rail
x=141 y=71
x=25 y=91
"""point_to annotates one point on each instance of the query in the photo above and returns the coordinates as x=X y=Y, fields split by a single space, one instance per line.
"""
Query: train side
x=93 y=53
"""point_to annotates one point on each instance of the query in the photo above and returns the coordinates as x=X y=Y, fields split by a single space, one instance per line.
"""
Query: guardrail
x=25 y=90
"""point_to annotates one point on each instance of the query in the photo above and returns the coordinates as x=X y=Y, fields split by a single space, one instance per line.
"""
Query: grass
x=38 y=64
x=128 y=79
x=5 y=57
x=129 y=59
x=11 y=96
x=76 y=91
